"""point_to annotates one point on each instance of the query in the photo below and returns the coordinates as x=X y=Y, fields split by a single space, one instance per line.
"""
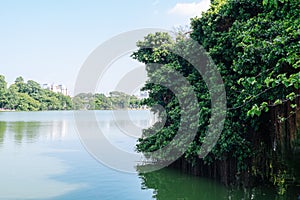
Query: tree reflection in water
x=2 y=132
x=31 y=131
x=169 y=184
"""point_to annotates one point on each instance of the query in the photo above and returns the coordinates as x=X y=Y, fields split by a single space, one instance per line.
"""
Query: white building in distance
x=142 y=94
x=56 y=88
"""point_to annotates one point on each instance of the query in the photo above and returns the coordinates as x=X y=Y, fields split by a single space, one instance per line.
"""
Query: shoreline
x=6 y=110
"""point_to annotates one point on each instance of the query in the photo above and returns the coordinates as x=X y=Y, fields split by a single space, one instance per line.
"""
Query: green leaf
x=278 y=102
x=268 y=80
x=291 y=96
x=293 y=105
x=265 y=2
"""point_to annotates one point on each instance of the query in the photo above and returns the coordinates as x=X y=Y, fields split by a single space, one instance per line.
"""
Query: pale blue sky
x=49 y=40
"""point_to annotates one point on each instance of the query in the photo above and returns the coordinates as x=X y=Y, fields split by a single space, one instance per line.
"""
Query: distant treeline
x=115 y=100
x=30 y=96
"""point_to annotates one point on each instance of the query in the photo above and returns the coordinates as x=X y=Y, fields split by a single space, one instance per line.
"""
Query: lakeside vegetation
x=255 y=46
x=30 y=96
x=115 y=101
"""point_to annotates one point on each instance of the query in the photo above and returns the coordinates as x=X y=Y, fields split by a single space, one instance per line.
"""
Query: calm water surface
x=41 y=157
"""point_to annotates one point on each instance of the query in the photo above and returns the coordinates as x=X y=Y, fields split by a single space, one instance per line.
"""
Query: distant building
x=56 y=88
x=142 y=94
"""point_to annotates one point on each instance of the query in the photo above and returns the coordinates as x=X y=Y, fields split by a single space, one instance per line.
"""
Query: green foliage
x=3 y=91
x=255 y=48
x=30 y=96
x=279 y=181
x=83 y=101
x=116 y=100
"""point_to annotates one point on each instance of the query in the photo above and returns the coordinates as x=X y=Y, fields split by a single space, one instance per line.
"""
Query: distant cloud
x=190 y=9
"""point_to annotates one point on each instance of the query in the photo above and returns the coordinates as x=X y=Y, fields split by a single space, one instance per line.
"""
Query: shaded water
x=41 y=157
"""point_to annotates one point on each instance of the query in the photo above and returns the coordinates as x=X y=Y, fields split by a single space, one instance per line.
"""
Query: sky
x=48 y=41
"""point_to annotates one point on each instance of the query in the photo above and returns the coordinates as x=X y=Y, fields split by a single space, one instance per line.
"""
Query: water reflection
x=31 y=131
x=27 y=175
x=28 y=131
x=2 y=132
x=57 y=130
x=26 y=171
x=169 y=184
x=42 y=158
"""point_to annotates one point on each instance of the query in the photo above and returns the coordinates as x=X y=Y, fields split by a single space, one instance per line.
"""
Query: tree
x=20 y=101
x=12 y=97
x=27 y=103
x=30 y=96
x=65 y=102
x=256 y=49
x=33 y=89
x=102 y=102
x=119 y=100
x=20 y=84
x=3 y=91
x=84 y=101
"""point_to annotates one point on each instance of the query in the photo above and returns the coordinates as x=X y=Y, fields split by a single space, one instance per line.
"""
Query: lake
x=43 y=158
